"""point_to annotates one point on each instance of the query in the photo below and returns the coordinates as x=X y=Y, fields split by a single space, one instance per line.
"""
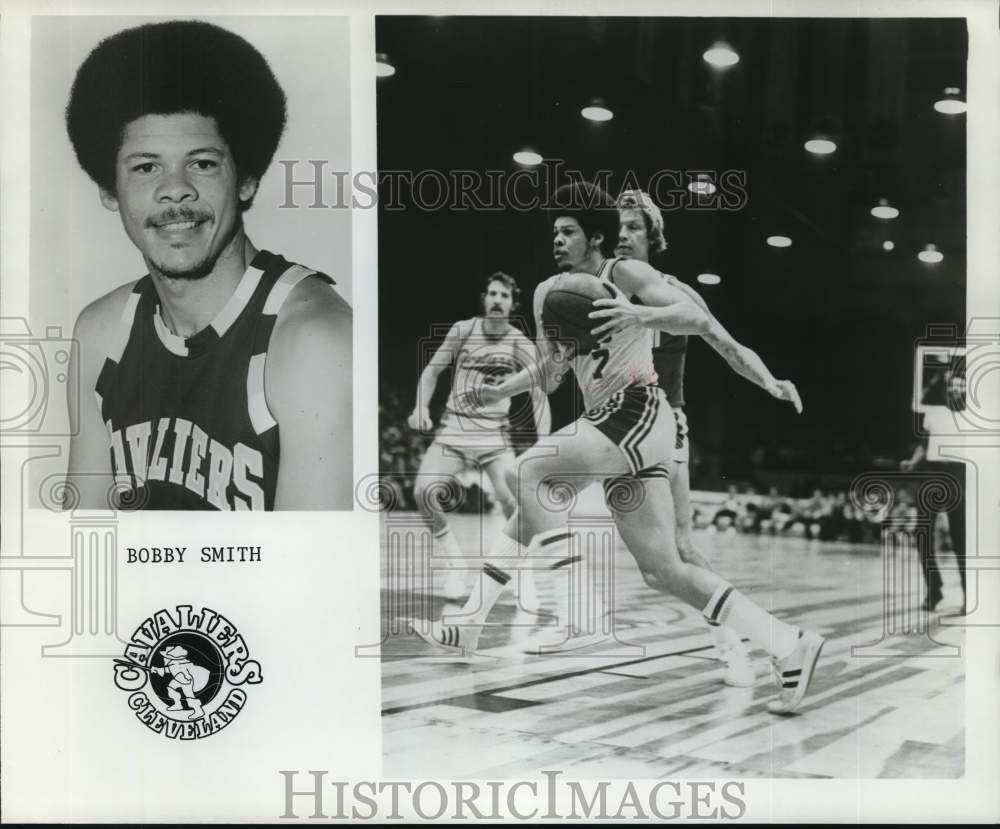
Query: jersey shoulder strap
x=260 y=414
x=611 y=265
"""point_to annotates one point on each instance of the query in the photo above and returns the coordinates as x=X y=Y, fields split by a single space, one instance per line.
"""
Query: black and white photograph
x=184 y=150
x=451 y=412
x=701 y=530
x=178 y=336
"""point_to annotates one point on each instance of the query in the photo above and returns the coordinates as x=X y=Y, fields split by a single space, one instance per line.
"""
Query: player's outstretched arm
x=307 y=383
x=747 y=363
x=669 y=307
x=420 y=418
x=88 y=478
x=741 y=359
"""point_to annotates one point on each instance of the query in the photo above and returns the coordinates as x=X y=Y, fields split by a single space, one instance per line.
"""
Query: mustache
x=176 y=214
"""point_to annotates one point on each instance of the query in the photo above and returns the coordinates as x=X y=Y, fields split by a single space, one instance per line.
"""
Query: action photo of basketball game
x=654 y=500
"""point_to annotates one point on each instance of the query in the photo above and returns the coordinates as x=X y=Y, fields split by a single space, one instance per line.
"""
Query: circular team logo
x=184 y=670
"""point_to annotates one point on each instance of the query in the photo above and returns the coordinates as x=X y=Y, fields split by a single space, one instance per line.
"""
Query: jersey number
x=602 y=355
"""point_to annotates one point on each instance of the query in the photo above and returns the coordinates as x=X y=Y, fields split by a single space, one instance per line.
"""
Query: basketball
x=566 y=308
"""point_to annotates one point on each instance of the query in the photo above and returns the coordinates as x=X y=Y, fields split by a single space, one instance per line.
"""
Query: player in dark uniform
x=221 y=379
x=640 y=236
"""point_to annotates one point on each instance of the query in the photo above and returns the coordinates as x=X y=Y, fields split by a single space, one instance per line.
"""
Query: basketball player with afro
x=626 y=439
x=485 y=349
x=221 y=379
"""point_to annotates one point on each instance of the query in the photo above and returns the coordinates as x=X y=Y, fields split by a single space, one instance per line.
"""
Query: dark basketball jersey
x=187 y=419
x=668 y=357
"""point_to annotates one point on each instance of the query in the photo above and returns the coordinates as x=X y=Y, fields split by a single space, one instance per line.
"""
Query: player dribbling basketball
x=628 y=433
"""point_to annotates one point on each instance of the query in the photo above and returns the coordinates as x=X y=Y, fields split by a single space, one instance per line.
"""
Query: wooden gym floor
x=654 y=705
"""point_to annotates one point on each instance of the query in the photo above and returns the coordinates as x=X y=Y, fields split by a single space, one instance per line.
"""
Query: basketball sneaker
x=445 y=637
x=795 y=671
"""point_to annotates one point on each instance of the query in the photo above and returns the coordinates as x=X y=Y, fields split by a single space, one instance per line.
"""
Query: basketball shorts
x=477 y=441
x=682 y=451
x=638 y=420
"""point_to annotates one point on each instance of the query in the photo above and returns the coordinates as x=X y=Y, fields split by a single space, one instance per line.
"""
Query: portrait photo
x=181 y=247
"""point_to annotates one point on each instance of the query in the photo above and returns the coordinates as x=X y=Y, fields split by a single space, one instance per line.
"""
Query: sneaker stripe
x=496 y=574
x=793 y=672
x=555 y=539
x=565 y=562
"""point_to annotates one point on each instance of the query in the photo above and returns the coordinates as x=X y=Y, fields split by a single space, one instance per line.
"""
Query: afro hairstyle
x=172 y=67
x=593 y=209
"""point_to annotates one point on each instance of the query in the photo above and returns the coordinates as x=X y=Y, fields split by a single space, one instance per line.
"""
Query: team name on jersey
x=180 y=452
x=495 y=368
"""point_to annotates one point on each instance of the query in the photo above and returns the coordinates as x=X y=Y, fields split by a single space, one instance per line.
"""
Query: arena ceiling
x=835 y=310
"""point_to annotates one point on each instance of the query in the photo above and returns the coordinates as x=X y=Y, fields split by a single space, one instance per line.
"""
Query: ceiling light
x=702 y=183
x=884 y=210
x=721 y=55
x=529 y=158
x=709 y=278
x=597 y=111
x=951 y=104
x=888 y=244
x=820 y=146
x=779 y=241
x=383 y=69
x=930 y=254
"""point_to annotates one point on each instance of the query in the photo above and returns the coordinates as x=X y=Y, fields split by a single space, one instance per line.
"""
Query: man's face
x=632 y=240
x=956 y=387
x=177 y=192
x=570 y=246
x=498 y=301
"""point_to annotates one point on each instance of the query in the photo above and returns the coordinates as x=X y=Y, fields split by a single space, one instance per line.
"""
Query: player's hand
x=785 y=390
x=617 y=315
x=420 y=420
x=908 y=465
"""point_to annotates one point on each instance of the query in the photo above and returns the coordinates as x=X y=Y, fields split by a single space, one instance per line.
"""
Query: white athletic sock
x=729 y=606
x=489 y=587
x=446 y=544
x=554 y=546
x=584 y=606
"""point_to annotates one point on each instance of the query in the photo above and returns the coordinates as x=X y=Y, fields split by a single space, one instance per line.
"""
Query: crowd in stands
x=825 y=516
x=828 y=514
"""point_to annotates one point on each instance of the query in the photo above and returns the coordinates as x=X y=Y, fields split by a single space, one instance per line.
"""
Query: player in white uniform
x=484 y=350
x=640 y=234
x=628 y=432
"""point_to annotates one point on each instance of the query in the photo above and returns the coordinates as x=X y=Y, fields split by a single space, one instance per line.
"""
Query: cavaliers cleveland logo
x=184 y=670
